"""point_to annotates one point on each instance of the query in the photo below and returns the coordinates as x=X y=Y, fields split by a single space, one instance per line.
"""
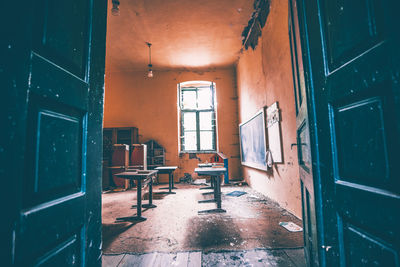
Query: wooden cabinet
x=127 y=136
x=119 y=162
x=138 y=156
x=155 y=154
x=114 y=160
x=118 y=135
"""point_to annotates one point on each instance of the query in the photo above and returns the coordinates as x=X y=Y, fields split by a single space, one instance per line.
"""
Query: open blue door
x=351 y=56
x=53 y=87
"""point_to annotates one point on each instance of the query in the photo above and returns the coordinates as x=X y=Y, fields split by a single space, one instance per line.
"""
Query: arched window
x=197 y=107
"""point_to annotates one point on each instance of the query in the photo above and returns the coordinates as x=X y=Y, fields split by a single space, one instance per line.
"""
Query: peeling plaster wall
x=132 y=99
x=263 y=77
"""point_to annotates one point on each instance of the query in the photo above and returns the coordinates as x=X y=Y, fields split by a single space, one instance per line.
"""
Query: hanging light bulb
x=150 y=73
x=115 y=7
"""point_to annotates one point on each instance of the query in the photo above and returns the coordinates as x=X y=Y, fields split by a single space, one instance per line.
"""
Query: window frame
x=196 y=86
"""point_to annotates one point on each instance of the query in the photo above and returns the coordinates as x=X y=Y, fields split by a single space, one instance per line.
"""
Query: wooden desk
x=139 y=176
x=215 y=174
x=170 y=171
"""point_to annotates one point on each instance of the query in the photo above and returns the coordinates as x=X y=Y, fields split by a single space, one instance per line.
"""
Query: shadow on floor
x=156 y=195
x=112 y=231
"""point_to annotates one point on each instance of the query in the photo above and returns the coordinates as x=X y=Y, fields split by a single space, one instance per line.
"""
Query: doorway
x=150 y=105
x=53 y=87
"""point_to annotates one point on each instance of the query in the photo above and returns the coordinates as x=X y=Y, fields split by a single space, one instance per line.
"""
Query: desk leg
x=173 y=187
x=170 y=182
x=214 y=179
x=151 y=191
x=211 y=185
x=139 y=198
x=217 y=191
x=212 y=211
x=138 y=216
x=206 y=188
x=150 y=205
x=170 y=185
x=209 y=193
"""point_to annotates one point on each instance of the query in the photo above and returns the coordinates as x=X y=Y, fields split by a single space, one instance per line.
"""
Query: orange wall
x=132 y=99
x=263 y=77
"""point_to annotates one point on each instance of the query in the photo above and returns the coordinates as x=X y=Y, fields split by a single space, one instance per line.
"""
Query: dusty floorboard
x=256 y=257
x=251 y=221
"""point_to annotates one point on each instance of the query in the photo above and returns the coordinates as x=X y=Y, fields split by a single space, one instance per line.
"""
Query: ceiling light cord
x=149 y=45
x=150 y=73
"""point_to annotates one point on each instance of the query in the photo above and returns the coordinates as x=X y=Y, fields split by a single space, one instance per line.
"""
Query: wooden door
x=53 y=85
x=302 y=103
x=352 y=69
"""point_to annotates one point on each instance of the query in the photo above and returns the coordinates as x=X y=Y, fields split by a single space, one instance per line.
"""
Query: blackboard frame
x=253 y=142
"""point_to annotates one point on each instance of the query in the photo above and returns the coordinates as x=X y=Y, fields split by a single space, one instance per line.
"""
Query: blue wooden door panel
x=57 y=73
x=354 y=69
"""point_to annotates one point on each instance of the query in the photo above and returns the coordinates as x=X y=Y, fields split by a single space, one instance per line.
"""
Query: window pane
x=205 y=98
x=206 y=140
x=189 y=99
x=197 y=116
x=189 y=121
x=205 y=120
x=190 y=142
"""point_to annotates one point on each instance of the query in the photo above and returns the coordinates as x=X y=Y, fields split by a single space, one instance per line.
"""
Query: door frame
x=323 y=207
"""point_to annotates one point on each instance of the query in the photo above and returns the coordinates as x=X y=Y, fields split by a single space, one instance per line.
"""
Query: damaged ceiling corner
x=253 y=30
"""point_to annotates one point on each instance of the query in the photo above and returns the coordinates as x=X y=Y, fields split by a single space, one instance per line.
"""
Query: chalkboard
x=253 y=142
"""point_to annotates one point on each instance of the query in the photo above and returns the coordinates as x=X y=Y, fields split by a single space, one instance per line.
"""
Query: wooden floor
x=255 y=257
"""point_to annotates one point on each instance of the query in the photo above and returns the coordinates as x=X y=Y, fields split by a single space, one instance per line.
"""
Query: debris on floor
x=199 y=182
x=291 y=226
x=236 y=193
x=174 y=225
x=186 y=179
x=239 y=183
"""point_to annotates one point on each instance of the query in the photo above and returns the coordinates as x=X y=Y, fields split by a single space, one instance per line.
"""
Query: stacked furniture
x=119 y=161
x=155 y=154
x=112 y=155
x=138 y=156
x=118 y=135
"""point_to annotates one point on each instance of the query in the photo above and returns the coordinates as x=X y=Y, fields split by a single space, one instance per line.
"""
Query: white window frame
x=195 y=86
